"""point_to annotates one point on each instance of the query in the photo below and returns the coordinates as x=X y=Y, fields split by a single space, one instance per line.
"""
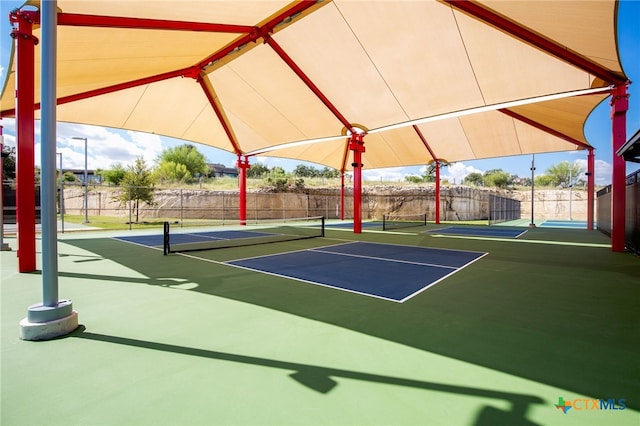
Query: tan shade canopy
x=247 y=76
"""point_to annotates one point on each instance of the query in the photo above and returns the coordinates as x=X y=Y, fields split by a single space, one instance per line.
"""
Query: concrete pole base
x=49 y=322
x=48 y=330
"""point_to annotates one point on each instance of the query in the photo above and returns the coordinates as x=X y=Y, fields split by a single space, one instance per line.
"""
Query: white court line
x=441 y=279
x=286 y=252
x=470 y=234
x=386 y=260
x=453 y=269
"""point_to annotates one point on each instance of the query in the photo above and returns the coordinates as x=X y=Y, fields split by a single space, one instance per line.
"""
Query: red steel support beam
x=258 y=32
x=544 y=128
x=437 y=191
x=551 y=47
x=356 y=145
x=619 y=107
x=590 y=188
x=342 y=195
x=111 y=89
x=101 y=21
x=25 y=182
x=243 y=165
x=316 y=91
x=357 y=152
x=437 y=163
x=252 y=36
x=217 y=108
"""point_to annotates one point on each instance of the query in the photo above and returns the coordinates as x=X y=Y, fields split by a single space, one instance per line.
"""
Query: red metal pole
x=619 y=107
x=342 y=196
x=437 y=191
x=25 y=118
x=590 y=188
x=243 y=165
x=357 y=146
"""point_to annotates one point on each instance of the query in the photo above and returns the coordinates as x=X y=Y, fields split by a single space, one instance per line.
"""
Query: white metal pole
x=48 y=156
x=86 y=181
x=86 y=185
x=570 y=191
x=533 y=168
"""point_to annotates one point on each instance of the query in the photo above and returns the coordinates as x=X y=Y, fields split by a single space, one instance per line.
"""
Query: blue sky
x=109 y=146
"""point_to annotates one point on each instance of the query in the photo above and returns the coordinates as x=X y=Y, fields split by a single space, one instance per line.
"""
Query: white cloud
x=263 y=160
x=105 y=147
x=457 y=172
x=392 y=174
x=109 y=146
x=602 y=171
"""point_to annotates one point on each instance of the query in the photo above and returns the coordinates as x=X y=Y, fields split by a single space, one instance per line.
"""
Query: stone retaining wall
x=456 y=203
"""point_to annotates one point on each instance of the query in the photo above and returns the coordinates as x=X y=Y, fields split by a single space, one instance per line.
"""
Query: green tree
x=8 y=162
x=302 y=170
x=187 y=155
x=257 y=171
x=413 y=179
x=137 y=186
x=282 y=181
x=171 y=171
x=277 y=171
x=69 y=177
x=496 y=178
x=114 y=175
x=429 y=174
x=565 y=173
x=474 y=178
x=544 y=180
x=330 y=173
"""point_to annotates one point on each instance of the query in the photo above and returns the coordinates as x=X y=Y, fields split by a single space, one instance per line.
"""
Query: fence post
x=181 y=209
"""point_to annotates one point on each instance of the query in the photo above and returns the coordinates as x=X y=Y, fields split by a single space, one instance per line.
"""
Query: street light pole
x=86 y=181
x=570 y=191
x=533 y=169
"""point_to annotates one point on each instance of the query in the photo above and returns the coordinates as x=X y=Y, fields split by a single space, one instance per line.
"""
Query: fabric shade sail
x=425 y=79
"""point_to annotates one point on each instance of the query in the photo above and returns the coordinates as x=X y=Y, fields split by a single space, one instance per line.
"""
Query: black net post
x=166 y=249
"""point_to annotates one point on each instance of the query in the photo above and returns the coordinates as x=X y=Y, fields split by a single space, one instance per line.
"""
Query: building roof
x=630 y=151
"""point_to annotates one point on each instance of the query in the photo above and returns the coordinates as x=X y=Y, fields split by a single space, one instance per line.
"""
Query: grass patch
x=109 y=222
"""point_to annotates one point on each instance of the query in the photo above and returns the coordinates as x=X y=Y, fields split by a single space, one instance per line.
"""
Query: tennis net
x=395 y=221
x=196 y=236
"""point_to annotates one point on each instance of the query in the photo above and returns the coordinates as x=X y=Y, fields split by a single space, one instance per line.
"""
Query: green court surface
x=189 y=340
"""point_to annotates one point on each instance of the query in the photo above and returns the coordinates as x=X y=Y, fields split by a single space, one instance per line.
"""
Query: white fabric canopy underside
x=378 y=63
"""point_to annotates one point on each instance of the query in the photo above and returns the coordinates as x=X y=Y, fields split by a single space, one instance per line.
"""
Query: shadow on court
x=565 y=316
x=321 y=379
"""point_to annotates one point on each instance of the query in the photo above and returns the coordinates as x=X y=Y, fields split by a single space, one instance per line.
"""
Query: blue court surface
x=385 y=271
x=479 y=232
x=192 y=237
x=574 y=224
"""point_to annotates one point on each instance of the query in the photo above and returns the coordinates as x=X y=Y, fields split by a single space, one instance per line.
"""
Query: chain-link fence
x=503 y=209
x=133 y=207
